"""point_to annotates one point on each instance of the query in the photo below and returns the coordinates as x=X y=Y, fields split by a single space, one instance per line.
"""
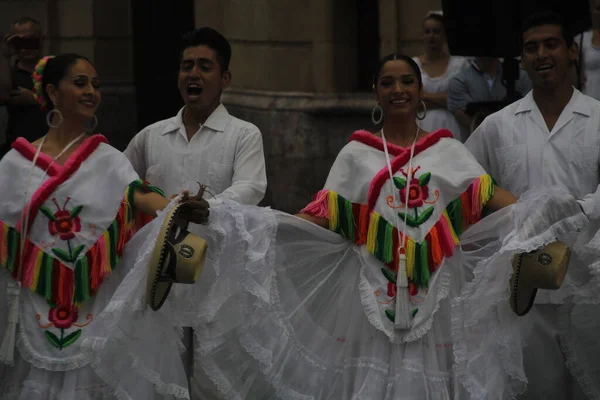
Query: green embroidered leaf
x=399 y=182
x=391 y=315
x=410 y=221
x=389 y=275
x=77 y=252
x=414 y=312
x=424 y=179
x=53 y=339
x=63 y=255
x=425 y=215
x=71 y=338
x=76 y=211
x=46 y=211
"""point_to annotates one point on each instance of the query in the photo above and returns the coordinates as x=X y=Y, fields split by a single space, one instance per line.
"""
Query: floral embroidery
x=418 y=195
x=63 y=318
x=64 y=224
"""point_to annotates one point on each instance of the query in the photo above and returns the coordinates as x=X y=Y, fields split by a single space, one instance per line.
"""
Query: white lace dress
x=288 y=310
x=441 y=118
x=77 y=251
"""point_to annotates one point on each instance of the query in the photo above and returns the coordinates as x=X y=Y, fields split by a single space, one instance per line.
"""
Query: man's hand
x=194 y=208
x=22 y=97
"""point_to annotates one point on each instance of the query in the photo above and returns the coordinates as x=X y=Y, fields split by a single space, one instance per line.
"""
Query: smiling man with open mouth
x=203 y=143
x=550 y=138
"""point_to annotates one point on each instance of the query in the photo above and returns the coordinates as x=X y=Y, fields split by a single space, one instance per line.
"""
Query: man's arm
x=590 y=204
x=136 y=153
x=249 y=181
x=457 y=100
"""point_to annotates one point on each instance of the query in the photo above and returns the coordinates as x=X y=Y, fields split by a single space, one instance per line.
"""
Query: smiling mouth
x=194 y=90
x=544 y=68
x=87 y=103
x=399 y=102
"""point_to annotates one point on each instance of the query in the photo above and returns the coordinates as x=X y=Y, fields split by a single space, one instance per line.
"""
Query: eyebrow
x=401 y=76
x=200 y=59
x=542 y=40
x=85 y=76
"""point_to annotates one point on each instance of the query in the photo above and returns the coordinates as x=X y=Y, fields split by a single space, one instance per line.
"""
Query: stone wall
x=295 y=71
x=99 y=30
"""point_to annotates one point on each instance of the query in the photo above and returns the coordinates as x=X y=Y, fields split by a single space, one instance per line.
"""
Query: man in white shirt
x=550 y=137
x=202 y=144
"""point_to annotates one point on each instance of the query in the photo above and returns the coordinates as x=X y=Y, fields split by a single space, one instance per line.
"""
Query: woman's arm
x=149 y=203
x=435 y=100
x=501 y=198
x=322 y=222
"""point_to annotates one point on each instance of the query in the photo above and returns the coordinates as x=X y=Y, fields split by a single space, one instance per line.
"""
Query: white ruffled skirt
x=283 y=310
x=105 y=363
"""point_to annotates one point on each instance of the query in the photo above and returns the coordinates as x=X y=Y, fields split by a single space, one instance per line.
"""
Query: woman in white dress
x=589 y=42
x=437 y=68
x=365 y=296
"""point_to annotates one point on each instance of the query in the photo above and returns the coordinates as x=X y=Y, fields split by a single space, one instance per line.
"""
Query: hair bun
x=38 y=75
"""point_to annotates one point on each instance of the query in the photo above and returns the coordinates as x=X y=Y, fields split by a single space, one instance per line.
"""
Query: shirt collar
x=577 y=104
x=217 y=121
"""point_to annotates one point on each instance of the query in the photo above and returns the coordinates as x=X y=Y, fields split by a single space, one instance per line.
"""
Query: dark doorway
x=157 y=29
x=367 y=42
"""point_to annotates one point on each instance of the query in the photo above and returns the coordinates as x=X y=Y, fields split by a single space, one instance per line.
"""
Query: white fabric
x=516 y=148
x=226 y=154
x=441 y=118
x=284 y=309
x=591 y=65
x=42 y=371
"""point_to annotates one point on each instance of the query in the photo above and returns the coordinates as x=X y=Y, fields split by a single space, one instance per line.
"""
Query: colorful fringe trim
x=59 y=284
x=354 y=221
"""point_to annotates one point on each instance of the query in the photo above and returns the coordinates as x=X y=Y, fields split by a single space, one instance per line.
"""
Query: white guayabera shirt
x=515 y=146
x=226 y=154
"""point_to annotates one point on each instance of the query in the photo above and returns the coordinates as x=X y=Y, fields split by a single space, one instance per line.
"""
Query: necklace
x=401 y=320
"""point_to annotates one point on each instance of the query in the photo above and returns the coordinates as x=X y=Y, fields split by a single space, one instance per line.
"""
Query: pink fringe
x=445 y=236
x=319 y=207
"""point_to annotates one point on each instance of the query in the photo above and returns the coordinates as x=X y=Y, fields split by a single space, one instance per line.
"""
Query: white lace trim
x=573 y=364
x=150 y=375
x=38 y=360
x=519 y=384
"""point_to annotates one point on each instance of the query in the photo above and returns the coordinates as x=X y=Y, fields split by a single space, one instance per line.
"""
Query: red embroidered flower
x=62 y=317
x=63 y=222
x=417 y=193
x=391 y=289
x=412 y=289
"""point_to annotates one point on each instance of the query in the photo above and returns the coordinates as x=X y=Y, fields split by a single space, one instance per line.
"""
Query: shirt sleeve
x=478 y=144
x=591 y=202
x=249 y=180
x=458 y=94
x=136 y=153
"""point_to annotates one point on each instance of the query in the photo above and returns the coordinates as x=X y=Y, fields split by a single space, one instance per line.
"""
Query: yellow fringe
x=372 y=234
x=333 y=211
x=410 y=258
x=38 y=266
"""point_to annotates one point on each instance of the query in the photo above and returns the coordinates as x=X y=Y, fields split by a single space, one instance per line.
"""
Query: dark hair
x=546 y=17
x=398 y=57
x=54 y=71
x=211 y=38
x=436 y=17
x=28 y=20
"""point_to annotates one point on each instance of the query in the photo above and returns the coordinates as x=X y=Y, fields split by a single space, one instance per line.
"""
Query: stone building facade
x=301 y=69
